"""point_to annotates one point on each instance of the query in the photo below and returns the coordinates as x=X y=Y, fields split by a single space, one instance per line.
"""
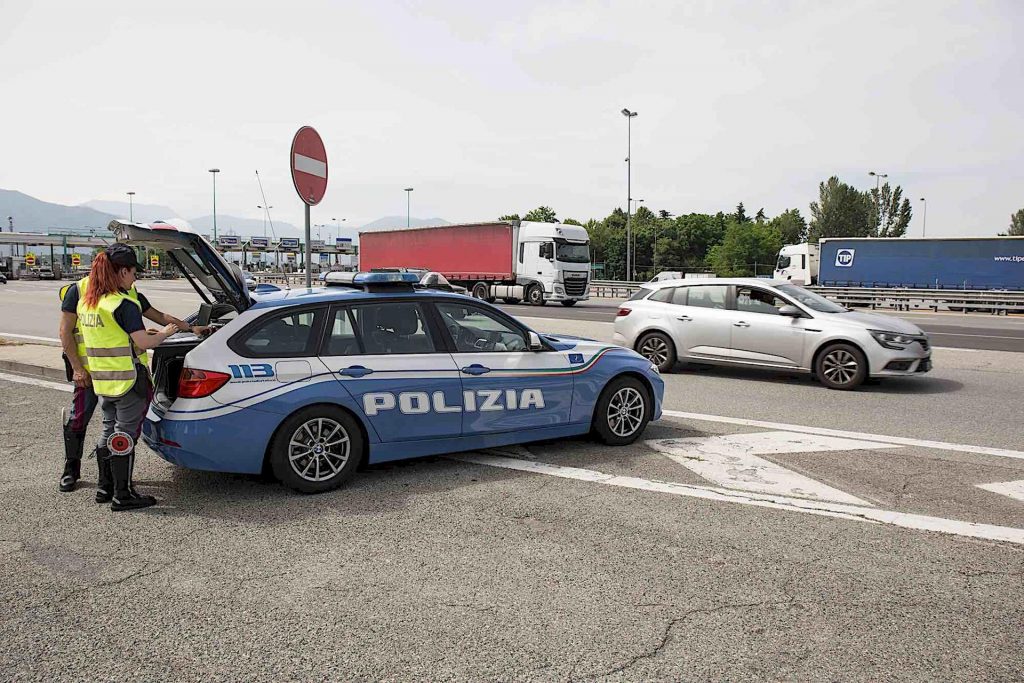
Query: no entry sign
x=309 y=165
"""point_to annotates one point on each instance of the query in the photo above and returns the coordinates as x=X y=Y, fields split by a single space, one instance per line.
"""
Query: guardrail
x=901 y=299
x=966 y=301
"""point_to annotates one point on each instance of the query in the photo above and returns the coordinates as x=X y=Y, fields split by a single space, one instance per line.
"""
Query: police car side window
x=341 y=335
x=395 y=327
x=287 y=334
x=474 y=330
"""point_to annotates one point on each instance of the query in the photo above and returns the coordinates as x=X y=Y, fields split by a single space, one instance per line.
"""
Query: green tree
x=510 y=217
x=841 y=211
x=542 y=214
x=760 y=217
x=791 y=226
x=1017 y=223
x=890 y=217
x=741 y=214
x=748 y=249
x=571 y=221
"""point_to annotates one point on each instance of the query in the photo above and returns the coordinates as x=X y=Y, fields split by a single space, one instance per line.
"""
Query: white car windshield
x=811 y=300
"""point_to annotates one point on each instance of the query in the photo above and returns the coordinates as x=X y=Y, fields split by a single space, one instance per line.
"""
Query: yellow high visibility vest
x=83 y=284
x=111 y=353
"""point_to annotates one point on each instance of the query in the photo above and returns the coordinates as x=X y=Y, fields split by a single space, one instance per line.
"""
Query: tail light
x=623 y=312
x=200 y=383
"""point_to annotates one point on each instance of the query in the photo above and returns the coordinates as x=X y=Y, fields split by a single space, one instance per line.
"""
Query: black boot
x=105 y=481
x=124 y=497
x=73 y=446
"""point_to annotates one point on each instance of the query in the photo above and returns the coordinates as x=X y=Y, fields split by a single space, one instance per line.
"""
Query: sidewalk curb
x=29 y=369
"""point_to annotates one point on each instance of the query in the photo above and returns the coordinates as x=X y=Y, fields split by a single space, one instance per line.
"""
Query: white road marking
x=861 y=514
x=28 y=336
x=37 y=382
x=953 y=348
x=881 y=438
x=310 y=165
x=731 y=461
x=1013 y=489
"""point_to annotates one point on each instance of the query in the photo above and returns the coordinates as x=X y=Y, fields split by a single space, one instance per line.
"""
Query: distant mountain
x=399 y=222
x=144 y=213
x=244 y=227
x=34 y=215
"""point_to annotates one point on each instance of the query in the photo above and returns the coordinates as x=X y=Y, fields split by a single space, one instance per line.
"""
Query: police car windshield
x=811 y=300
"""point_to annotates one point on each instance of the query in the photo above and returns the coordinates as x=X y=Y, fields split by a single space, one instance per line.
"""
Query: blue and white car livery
x=309 y=383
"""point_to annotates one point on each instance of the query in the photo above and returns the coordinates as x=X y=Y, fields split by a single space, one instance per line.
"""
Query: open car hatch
x=213 y=278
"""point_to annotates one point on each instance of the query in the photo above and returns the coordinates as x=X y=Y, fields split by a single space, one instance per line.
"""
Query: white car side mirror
x=535 y=342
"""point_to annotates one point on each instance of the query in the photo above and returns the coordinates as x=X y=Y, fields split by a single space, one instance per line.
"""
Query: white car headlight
x=893 y=340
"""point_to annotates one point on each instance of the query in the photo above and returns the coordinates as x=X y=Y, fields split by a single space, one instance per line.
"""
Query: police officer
x=83 y=401
x=116 y=341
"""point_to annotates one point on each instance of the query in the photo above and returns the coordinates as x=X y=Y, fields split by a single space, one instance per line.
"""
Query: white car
x=767 y=324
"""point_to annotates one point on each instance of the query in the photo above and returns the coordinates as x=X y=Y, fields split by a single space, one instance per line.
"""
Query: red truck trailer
x=513 y=261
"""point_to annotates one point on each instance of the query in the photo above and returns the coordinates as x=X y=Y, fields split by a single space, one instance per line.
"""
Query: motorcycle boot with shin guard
x=74 y=444
x=125 y=495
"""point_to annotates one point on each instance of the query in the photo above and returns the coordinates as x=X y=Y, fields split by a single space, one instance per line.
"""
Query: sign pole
x=309 y=252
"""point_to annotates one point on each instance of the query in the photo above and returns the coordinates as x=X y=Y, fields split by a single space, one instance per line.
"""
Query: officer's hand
x=201 y=330
x=182 y=325
x=170 y=329
x=81 y=378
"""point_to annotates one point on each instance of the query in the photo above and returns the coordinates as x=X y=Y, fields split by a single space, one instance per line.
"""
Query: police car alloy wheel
x=622 y=411
x=316 y=450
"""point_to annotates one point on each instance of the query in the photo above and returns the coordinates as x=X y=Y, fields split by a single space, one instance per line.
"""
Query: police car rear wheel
x=316 y=450
x=622 y=412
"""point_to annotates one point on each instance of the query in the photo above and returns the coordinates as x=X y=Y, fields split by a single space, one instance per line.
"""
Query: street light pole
x=630 y=115
x=408 y=194
x=924 y=218
x=131 y=208
x=214 y=172
x=266 y=210
x=878 y=195
x=633 y=244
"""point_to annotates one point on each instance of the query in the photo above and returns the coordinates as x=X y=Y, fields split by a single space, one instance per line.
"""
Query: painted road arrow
x=732 y=461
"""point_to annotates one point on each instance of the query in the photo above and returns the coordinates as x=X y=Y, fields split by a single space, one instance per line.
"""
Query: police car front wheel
x=622 y=411
x=316 y=449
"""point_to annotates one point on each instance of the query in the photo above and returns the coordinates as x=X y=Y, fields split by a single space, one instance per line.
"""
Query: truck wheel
x=568 y=303
x=841 y=366
x=481 y=290
x=622 y=412
x=535 y=295
x=511 y=300
x=316 y=449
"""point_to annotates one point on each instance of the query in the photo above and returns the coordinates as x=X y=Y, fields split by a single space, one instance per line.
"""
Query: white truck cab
x=798 y=263
x=552 y=263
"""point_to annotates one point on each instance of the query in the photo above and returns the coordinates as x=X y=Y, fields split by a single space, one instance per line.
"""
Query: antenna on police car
x=267 y=209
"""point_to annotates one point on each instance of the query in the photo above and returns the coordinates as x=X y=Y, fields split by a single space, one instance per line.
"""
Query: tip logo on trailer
x=844 y=257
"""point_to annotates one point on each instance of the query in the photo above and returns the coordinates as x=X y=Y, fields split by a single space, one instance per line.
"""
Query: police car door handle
x=475 y=369
x=684 y=318
x=355 y=371
x=741 y=324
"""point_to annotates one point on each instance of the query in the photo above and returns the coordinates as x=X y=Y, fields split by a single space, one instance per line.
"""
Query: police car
x=309 y=383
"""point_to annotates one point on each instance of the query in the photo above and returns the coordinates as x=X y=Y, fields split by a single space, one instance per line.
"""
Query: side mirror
x=535 y=342
x=791 y=312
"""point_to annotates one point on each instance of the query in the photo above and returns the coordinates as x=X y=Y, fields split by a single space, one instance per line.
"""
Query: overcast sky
x=489 y=108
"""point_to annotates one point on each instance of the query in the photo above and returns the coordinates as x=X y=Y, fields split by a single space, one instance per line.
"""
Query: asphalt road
x=30 y=307
x=555 y=561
